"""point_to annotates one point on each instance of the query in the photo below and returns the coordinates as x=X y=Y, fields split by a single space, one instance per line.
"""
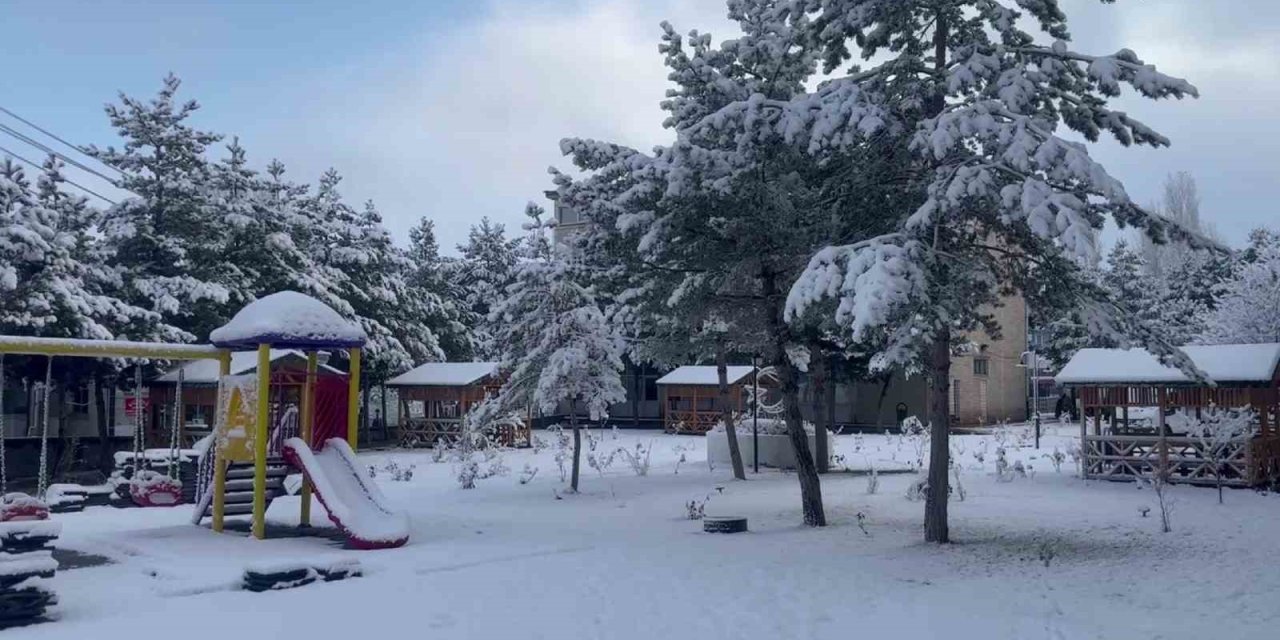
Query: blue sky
x=453 y=109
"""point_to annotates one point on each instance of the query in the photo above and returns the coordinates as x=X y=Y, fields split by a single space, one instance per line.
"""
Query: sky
x=453 y=109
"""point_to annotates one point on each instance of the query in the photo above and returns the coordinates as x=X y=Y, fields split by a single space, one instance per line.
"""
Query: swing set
x=242 y=431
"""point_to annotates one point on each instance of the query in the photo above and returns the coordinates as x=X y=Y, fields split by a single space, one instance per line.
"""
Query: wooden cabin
x=1126 y=396
x=435 y=396
x=688 y=396
x=200 y=391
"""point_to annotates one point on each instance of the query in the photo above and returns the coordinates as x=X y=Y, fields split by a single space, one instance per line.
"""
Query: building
x=435 y=397
x=688 y=396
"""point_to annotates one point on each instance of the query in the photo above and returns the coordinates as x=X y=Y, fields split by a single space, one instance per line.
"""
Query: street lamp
x=755 y=413
x=1031 y=361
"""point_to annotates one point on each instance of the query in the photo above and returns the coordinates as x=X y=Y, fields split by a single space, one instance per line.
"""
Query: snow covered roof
x=1221 y=362
x=702 y=374
x=444 y=374
x=288 y=319
x=206 y=371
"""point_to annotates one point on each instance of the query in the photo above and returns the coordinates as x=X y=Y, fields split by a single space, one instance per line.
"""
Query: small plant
x=873 y=482
x=958 y=486
x=1047 y=551
x=1158 y=482
x=862 y=522
x=1077 y=458
x=1003 y=474
x=527 y=474
x=695 y=509
x=1019 y=469
x=1057 y=458
x=638 y=458
x=397 y=472
x=680 y=450
x=918 y=490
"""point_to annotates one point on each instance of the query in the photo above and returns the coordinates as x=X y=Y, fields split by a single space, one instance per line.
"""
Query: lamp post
x=755 y=413
x=1033 y=365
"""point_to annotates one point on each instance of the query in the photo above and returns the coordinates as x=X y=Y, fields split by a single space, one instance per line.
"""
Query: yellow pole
x=260 y=437
x=353 y=400
x=308 y=417
x=220 y=465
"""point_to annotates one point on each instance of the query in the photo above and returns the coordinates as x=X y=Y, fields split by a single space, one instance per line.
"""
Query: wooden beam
x=66 y=347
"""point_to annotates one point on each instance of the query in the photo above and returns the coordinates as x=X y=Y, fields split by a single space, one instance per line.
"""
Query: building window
x=80 y=400
x=981 y=366
x=566 y=215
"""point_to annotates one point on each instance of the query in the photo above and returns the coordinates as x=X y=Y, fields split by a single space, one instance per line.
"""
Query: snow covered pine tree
x=557 y=346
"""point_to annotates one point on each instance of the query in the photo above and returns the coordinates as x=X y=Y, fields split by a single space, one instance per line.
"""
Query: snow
x=353 y=501
x=288 y=319
x=206 y=371
x=23 y=344
x=622 y=561
x=1221 y=363
x=699 y=374
x=35 y=562
x=445 y=374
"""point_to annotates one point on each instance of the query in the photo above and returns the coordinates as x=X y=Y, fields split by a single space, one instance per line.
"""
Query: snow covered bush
x=637 y=458
x=528 y=473
x=1218 y=433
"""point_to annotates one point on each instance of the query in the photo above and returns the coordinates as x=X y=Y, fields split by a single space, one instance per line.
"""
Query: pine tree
x=431 y=281
x=1004 y=202
x=556 y=344
x=1248 y=307
x=164 y=242
x=483 y=274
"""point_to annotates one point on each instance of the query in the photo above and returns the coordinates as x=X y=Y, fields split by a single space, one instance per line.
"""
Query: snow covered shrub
x=696 y=510
x=1218 y=433
x=1158 y=482
x=957 y=486
x=1077 y=458
x=638 y=458
x=598 y=460
x=873 y=482
x=399 y=473
x=918 y=489
x=1046 y=551
x=916 y=434
x=680 y=450
x=527 y=474
x=1003 y=473
x=862 y=522
x=564 y=450
x=538 y=445
x=1019 y=469
x=1057 y=458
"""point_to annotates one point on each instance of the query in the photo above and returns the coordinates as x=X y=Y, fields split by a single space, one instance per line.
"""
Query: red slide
x=353 y=500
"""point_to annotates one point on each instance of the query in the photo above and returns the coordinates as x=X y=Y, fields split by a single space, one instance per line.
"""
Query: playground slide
x=354 y=502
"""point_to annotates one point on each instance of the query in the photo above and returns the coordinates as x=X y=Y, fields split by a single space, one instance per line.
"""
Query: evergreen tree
x=1248 y=308
x=556 y=343
x=483 y=274
x=1005 y=204
x=164 y=242
x=431 y=281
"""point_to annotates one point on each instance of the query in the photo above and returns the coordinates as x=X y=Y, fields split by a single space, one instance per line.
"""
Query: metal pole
x=1035 y=392
x=755 y=414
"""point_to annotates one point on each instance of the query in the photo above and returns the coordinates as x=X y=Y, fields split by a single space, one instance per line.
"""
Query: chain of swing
x=139 y=436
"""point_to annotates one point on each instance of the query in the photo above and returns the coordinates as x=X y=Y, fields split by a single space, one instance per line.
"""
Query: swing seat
x=15 y=507
x=153 y=489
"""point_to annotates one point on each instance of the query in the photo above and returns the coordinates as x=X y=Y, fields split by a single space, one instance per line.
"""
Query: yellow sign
x=237 y=421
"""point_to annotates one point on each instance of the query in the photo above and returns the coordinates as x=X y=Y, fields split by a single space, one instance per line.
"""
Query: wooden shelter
x=434 y=398
x=1126 y=395
x=200 y=390
x=688 y=397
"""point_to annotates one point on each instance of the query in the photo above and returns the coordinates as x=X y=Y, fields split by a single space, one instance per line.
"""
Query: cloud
x=465 y=122
x=471 y=129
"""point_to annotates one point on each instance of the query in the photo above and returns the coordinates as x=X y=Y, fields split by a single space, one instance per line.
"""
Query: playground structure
x=243 y=433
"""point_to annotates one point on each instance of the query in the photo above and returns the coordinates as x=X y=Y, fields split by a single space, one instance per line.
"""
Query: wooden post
x=220 y=465
x=353 y=400
x=260 y=437
x=1164 y=443
x=308 y=419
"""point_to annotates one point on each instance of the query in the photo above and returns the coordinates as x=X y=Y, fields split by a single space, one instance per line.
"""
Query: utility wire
x=55 y=136
x=74 y=184
x=37 y=144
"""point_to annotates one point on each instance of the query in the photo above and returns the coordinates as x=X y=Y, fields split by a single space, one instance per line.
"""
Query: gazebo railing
x=1246 y=461
x=691 y=421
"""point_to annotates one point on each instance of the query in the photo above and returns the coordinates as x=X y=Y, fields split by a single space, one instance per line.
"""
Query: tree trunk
x=726 y=414
x=810 y=484
x=382 y=399
x=935 y=506
x=577 y=446
x=821 y=378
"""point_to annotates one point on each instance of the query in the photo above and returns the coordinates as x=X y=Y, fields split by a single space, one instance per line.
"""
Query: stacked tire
x=26 y=565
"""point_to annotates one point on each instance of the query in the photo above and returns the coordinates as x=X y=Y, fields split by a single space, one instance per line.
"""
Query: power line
x=74 y=184
x=37 y=144
x=56 y=137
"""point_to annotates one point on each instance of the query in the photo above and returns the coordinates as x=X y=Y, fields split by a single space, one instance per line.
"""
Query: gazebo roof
x=1252 y=363
x=704 y=375
x=288 y=319
x=445 y=374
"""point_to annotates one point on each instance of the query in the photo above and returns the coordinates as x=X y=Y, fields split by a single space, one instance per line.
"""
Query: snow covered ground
x=622 y=560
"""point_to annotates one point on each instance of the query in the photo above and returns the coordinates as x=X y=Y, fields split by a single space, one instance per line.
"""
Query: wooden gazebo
x=1118 y=385
x=688 y=397
x=434 y=397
